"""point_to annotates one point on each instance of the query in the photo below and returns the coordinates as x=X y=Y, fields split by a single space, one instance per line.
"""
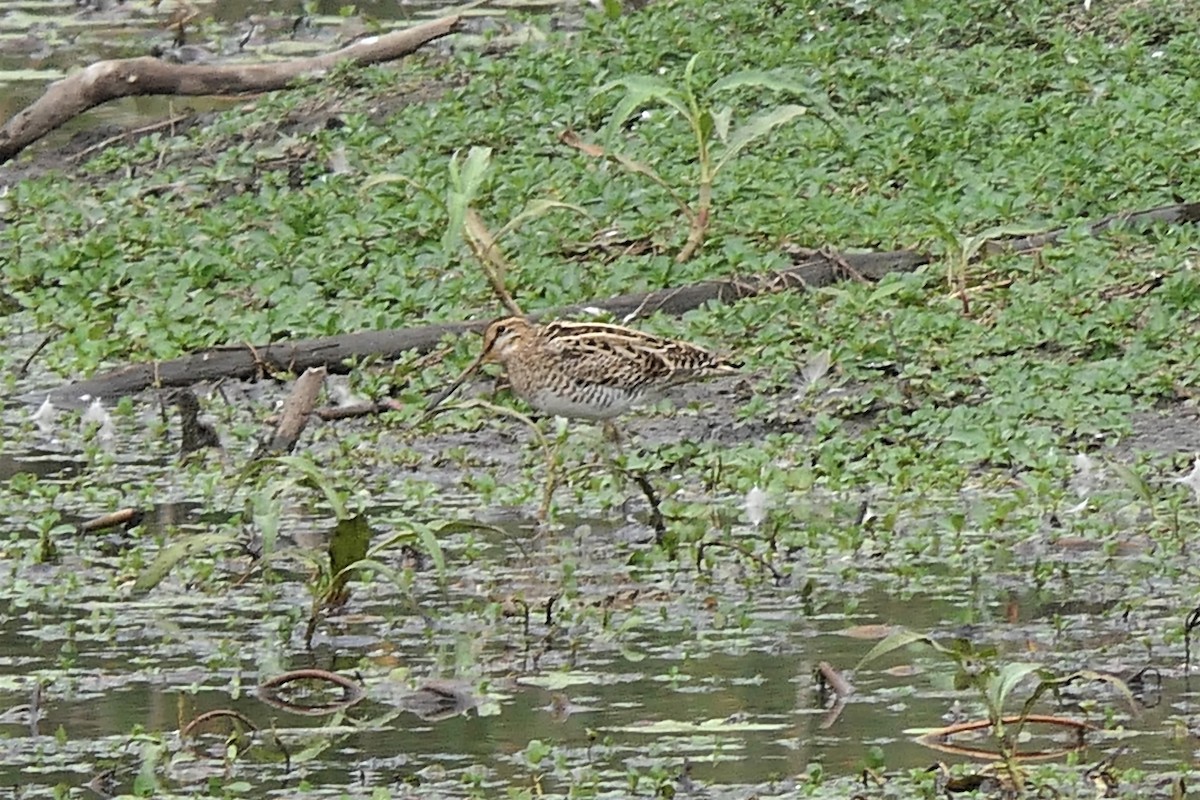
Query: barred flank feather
x=592 y=370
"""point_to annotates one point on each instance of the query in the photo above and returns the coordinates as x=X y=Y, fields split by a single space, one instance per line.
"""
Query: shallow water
x=657 y=666
x=43 y=40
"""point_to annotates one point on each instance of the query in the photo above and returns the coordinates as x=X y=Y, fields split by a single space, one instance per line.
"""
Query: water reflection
x=42 y=463
x=42 y=42
x=734 y=693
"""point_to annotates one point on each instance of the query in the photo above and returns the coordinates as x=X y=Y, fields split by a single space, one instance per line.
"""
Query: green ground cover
x=944 y=437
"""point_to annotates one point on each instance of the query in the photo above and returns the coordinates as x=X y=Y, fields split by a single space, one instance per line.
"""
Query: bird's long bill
x=432 y=407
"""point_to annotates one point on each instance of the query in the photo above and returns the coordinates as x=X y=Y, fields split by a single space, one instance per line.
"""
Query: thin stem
x=699 y=227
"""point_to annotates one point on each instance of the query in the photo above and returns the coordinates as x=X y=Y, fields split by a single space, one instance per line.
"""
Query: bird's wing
x=626 y=358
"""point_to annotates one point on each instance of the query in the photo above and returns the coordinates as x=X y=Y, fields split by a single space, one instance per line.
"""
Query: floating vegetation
x=944 y=509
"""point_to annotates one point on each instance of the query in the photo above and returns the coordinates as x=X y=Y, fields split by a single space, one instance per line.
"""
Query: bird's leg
x=553 y=469
x=614 y=453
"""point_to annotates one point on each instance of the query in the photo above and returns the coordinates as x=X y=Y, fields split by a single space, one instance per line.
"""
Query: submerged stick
x=296 y=410
x=126 y=516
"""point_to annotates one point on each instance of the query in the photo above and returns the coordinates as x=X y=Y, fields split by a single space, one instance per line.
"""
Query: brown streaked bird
x=587 y=370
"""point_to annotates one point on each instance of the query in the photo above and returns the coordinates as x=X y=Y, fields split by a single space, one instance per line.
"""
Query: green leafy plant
x=349 y=552
x=996 y=684
x=962 y=251
x=464 y=224
x=717 y=141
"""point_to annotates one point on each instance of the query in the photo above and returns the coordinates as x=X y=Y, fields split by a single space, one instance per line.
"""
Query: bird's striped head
x=504 y=337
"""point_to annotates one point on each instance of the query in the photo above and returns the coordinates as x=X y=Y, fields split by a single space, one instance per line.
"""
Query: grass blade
x=755 y=128
x=175 y=552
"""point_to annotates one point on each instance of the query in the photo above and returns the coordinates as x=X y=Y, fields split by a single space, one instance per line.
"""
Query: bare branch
x=125 y=77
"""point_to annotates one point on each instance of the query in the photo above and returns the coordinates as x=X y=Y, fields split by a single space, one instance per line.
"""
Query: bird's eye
x=500 y=331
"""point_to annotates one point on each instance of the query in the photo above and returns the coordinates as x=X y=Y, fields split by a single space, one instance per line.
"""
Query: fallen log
x=1175 y=214
x=125 y=77
x=815 y=269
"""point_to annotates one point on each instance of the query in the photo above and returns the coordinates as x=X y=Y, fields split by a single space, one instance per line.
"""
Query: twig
x=656 y=515
x=762 y=562
x=494 y=265
x=166 y=123
x=217 y=713
x=24 y=368
x=937 y=739
x=1190 y=624
x=365 y=409
x=352 y=692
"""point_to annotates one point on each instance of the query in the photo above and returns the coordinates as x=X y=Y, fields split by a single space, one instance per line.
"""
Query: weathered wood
x=125 y=77
x=296 y=411
x=1179 y=213
x=814 y=269
x=247 y=362
x=817 y=269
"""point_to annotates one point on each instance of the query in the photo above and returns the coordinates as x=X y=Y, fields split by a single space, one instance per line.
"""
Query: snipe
x=588 y=370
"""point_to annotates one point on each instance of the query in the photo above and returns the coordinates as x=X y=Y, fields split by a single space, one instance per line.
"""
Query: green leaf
x=311 y=751
x=175 y=552
x=370 y=565
x=721 y=119
x=639 y=91
x=689 y=91
x=538 y=208
x=385 y=178
x=706 y=125
x=464 y=186
x=897 y=641
x=146 y=783
x=348 y=546
x=433 y=547
x=1051 y=683
x=883 y=291
x=948 y=234
x=1113 y=681
x=1007 y=679
x=1135 y=482
x=264 y=509
x=760 y=79
x=312 y=476
x=468 y=525
x=755 y=128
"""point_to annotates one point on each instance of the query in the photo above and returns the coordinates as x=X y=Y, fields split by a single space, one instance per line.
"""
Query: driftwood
x=835 y=680
x=129 y=517
x=125 y=77
x=296 y=410
x=1179 y=213
x=247 y=362
x=814 y=269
